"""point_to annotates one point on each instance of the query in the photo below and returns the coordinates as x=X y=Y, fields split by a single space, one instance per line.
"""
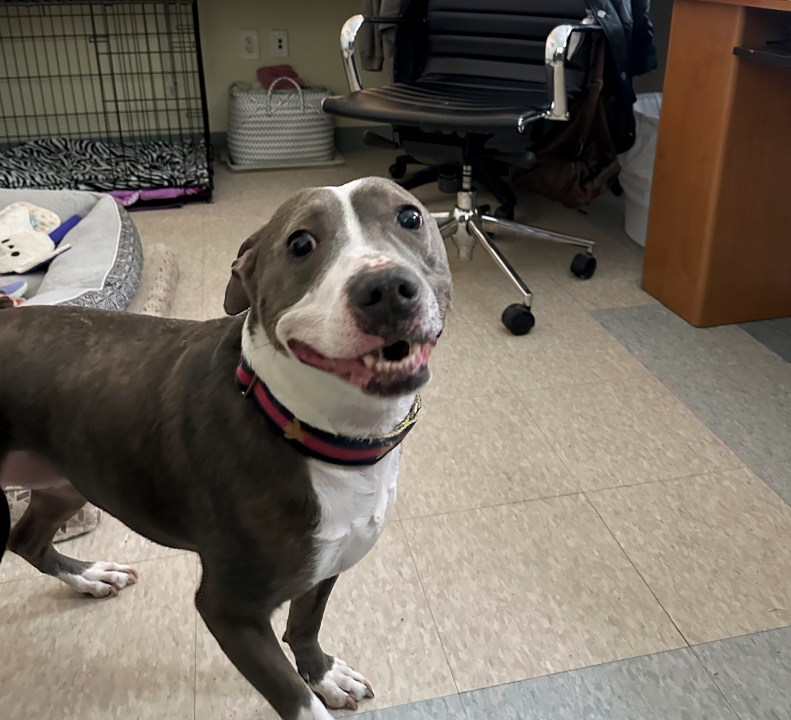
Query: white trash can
x=637 y=166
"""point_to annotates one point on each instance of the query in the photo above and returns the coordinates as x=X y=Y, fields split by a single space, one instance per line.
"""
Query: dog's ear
x=237 y=292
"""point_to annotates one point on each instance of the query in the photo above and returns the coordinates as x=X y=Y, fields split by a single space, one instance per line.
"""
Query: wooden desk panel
x=718 y=248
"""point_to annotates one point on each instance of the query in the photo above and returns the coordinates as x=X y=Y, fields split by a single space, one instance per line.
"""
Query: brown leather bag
x=576 y=164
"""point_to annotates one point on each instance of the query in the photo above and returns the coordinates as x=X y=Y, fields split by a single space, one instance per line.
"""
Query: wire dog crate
x=104 y=95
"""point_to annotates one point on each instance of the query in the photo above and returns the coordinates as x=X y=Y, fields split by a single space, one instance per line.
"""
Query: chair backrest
x=498 y=39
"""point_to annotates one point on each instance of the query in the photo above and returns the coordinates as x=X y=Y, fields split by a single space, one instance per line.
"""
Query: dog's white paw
x=102 y=579
x=342 y=687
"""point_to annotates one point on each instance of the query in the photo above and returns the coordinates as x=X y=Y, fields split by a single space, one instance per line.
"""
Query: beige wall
x=313 y=28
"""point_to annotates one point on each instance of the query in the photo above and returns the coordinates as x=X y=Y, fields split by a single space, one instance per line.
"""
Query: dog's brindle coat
x=142 y=416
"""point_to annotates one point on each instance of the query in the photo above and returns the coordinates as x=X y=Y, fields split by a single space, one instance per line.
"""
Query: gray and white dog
x=267 y=443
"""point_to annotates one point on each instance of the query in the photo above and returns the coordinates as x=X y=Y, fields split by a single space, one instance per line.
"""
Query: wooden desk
x=718 y=248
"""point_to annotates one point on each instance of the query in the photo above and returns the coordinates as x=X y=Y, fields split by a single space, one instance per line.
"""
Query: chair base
x=469 y=226
x=485 y=174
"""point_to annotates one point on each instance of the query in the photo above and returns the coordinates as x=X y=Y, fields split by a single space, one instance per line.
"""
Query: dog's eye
x=409 y=217
x=301 y=243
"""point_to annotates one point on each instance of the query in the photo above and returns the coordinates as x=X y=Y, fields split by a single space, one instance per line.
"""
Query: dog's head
x=353 y=281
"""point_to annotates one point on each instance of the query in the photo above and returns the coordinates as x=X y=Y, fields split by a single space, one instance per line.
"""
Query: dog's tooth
x=369 y=360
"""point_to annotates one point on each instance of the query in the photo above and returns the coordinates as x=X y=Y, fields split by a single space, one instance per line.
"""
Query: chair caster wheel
x=519 y=319
x=397 y=170
x=583 y=266
x=503 y=212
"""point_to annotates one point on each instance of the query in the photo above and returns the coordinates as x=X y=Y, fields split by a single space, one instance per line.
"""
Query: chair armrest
x=348 y=40
x=349 y=33
x=556 y=53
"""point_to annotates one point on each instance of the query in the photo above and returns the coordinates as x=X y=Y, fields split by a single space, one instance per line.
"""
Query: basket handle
x=272 y=87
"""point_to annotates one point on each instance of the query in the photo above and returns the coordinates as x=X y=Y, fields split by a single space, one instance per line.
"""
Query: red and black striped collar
x=336 y=449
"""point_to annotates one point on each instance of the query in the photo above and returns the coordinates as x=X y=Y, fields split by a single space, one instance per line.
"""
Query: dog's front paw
x=342 y=687
x=102 y=579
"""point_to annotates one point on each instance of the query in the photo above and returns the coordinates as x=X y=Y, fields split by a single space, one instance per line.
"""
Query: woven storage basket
x=266 y=125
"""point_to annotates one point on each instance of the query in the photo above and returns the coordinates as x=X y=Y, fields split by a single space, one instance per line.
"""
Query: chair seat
x=459 y=104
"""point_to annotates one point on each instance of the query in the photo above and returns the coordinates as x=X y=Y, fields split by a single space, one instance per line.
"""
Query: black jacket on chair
x=630 y=33
x=630 y=38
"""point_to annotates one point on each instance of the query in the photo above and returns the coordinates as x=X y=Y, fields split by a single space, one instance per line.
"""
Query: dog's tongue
x=352 y=370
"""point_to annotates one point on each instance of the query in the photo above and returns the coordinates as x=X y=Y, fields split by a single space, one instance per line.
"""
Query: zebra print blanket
x=65 y=164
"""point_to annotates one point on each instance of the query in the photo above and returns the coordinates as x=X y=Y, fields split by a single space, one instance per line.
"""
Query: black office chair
x=477 y=84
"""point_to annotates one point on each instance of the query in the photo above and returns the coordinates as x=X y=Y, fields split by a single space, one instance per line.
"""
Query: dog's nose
x=386 y=296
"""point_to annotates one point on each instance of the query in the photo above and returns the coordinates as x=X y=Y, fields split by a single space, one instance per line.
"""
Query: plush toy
x=41 y=219
x=11 y=294
x=24 y=242
x=15 y=288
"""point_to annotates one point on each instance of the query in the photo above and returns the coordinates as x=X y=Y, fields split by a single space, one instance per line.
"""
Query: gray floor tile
x=754 y=673
x=777 y=476
x=666 y=686
x=775 y=334
x=736 y=385
x=444 y=708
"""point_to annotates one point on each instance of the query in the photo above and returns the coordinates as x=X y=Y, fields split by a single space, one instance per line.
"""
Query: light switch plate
x=279 y=43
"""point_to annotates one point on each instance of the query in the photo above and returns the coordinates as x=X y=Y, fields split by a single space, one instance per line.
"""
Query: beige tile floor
x=559 y=508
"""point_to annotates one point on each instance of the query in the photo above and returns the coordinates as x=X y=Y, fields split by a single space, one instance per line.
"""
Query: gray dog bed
x=104 y=265
x=104 y=268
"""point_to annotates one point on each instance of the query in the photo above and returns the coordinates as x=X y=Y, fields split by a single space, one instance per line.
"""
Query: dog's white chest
x=354 y=503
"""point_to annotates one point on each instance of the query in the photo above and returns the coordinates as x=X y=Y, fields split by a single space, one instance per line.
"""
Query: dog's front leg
x=251 y=645
x=339 y=685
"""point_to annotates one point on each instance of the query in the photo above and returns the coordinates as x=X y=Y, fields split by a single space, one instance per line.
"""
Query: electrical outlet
x=278 y=40
x=248 y=45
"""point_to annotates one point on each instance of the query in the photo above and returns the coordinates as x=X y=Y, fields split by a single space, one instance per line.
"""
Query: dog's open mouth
x=389 y=370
